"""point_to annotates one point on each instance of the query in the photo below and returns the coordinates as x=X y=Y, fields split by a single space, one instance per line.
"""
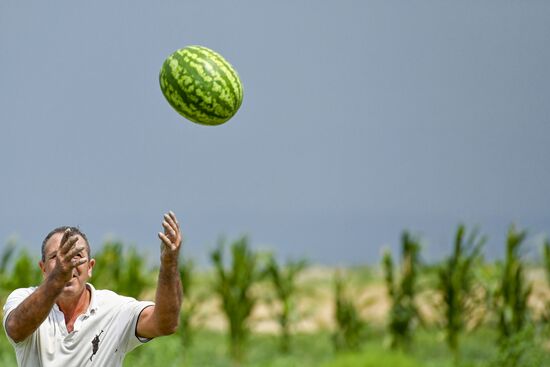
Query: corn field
x=249 y=309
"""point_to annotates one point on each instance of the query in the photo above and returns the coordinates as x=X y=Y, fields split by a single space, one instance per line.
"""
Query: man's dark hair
x=74 y=230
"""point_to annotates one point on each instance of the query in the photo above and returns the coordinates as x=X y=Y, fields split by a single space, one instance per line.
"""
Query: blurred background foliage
x=250 y=309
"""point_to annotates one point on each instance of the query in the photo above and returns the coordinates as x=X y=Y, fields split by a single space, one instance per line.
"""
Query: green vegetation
x=350 y=328
x=512 y=298
x=191 y=301
x=121 y=271
x=234 y=288
x=520 y=349
x=513 y=293
x=17 y=269
x=284 y=281
x=546 y=258
x=456 y=284
x=546 y=264
x=404 y=311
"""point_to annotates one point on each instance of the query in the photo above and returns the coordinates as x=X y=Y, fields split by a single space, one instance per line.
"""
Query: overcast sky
x=360 y=119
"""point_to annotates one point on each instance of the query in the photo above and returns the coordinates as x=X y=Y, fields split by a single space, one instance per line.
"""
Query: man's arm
x=30 y=313
x=163 y=317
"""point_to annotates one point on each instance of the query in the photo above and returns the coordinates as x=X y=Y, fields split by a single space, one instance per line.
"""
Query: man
x=67 y=322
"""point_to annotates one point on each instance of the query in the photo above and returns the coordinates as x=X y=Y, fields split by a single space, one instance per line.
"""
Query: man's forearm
x=168 y=297
x=30 y=313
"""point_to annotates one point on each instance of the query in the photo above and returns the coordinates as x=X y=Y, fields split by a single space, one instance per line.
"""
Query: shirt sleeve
x=133 y=310
x=14 y=299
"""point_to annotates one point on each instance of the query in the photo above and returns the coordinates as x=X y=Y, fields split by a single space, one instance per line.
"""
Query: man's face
x=80 y=274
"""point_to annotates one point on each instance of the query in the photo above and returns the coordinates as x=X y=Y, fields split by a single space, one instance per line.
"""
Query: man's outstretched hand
x=171 y=238
x=163 y=317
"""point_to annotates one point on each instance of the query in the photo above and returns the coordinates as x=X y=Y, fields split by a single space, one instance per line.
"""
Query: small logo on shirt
x=95 y=345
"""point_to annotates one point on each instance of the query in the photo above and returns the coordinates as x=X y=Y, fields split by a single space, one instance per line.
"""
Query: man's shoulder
x=21 y=293
x=15 y=298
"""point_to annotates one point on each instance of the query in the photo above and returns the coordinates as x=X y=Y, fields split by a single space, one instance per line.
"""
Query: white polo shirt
x=101 y=336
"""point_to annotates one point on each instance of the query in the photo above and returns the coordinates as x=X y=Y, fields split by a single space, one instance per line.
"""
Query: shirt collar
x=93 y=302
x=92 y=307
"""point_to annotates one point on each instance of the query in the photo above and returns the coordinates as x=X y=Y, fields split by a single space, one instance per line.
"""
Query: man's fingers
x=64 y=238
x=174 y=228
x=69 y=256
x=169 y=230
x=171 y=238
x=68 y=245
x=174 y=219
x=78 y=262
x=66 y=235
x=166 y=241
x=169 y=220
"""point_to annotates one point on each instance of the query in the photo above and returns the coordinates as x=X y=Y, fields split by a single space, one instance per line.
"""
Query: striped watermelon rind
x=201 y=85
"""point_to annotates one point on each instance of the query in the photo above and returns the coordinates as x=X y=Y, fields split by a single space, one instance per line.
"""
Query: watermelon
x=201 y=85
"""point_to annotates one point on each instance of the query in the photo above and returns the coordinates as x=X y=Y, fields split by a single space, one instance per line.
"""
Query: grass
x=210 y=349
x=428 y=350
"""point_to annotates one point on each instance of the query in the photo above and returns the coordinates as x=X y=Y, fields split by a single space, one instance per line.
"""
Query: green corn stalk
x=284 y=282
x=546 y=264
x=350 y=327
x=513 y=291
x=109 y=266
x=135 y=278
x=387 y=265
x=190 y=302
x=234 y=287
x=456 y=284
x=7 y=254
x=120 y=271
x=403 y=311
x=546 y=258
x=25 y=271
x=5 y=259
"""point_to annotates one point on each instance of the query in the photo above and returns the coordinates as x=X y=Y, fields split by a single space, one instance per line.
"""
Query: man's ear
x=91 y=264
x=42 y=266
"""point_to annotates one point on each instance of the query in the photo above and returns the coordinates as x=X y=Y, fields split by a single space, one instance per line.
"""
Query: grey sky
x=360 y=119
